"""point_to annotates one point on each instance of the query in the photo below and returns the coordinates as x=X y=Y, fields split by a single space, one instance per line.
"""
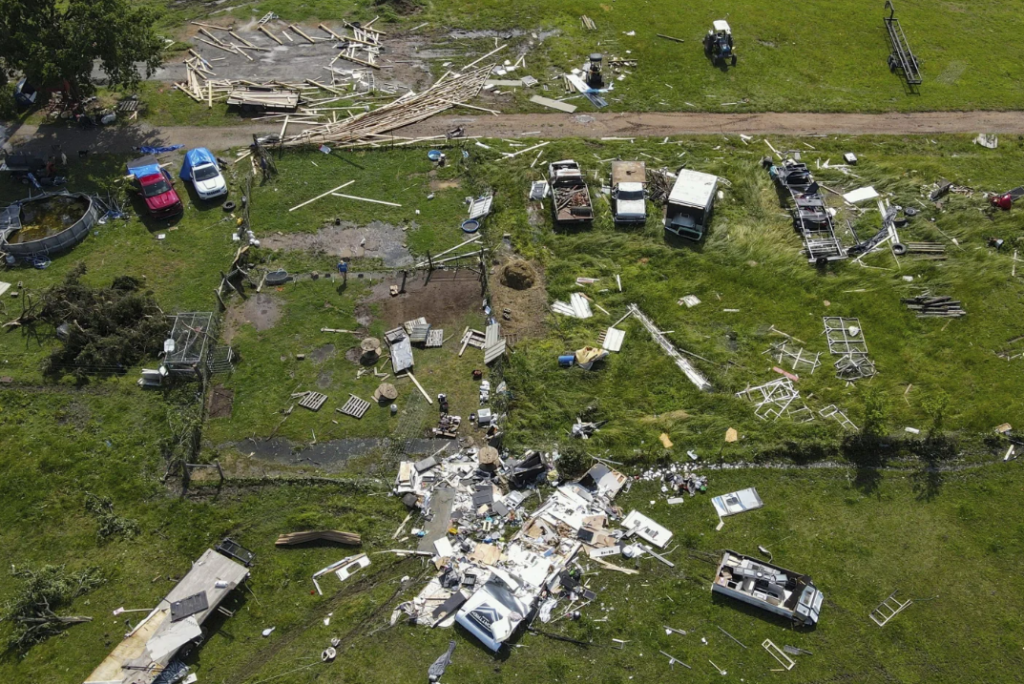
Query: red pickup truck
x=156 y=187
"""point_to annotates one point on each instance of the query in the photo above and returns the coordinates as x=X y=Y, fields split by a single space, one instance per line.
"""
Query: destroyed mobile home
x=149 y=651
x=768 y=587
x=490 y=586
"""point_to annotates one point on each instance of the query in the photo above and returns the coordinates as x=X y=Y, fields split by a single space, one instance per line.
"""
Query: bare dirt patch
x=321 y=354
x=440 y=185
x=263 y=311
x=445 y=298
x=221 y=401
x=518 y=285
x=363 y=315
x=376 y=240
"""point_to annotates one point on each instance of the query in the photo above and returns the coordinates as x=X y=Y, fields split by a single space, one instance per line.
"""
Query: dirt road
x=554 y=125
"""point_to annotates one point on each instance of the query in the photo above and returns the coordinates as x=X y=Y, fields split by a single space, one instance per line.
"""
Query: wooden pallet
x=313 y=401
x=355 y=407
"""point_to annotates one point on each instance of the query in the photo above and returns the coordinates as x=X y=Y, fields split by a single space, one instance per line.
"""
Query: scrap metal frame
x=191 y=332
x=772 y=399
x=892 y=608
x=833 y=411
x=901 y=57
x=812 y=218
x=781 y=351
x=778 y=654
x=852 y=349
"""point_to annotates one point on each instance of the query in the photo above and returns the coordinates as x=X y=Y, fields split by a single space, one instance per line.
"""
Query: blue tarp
x=196 y=157
x=144 y=170
x=159 y=150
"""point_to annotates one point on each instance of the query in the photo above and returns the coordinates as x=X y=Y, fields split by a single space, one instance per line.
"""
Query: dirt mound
x=527 y=304
x=518 y=275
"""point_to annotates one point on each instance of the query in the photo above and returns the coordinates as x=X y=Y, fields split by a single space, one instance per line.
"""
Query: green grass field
x=813 y=56
x=932 y=518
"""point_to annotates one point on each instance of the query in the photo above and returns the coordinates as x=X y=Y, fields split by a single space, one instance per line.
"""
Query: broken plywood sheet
x=737 y=502
x=492 y=354
x=170 y=640
x=647 y=529
x=553 y=104
x=435 y=338
x=578 y=307
x=492 y=335
x=401 y=355
x=861 y=195
x=613 y=338
x=486 y=554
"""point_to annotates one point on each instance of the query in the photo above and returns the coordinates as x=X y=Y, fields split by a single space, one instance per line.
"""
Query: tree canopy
x=55 y=43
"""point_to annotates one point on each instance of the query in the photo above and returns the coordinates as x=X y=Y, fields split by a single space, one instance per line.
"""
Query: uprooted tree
x=32 y=611
x=104 y=329
x=56 y=43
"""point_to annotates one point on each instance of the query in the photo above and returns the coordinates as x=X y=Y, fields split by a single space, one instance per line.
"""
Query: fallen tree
x=32 y=611
x=105 y=330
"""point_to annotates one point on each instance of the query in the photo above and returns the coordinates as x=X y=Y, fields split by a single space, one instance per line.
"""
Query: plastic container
x=470 y=226
x=566 y=360
x=434 y=155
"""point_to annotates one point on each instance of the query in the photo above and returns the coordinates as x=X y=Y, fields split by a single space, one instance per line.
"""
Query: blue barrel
x=566 y=360
x=470 y=226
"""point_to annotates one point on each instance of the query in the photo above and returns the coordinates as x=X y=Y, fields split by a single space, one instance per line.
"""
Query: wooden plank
x=365 y=199
x=343 y=185
x=553 y=104
x=299 y=31
x=270 y=35
x=420 y=387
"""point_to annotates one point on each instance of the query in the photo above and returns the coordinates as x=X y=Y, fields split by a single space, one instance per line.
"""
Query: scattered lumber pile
x=934 y=307
x=370 y=128
x=362 y=47
x=347 y=538
x=202 y=85
x=227 y=46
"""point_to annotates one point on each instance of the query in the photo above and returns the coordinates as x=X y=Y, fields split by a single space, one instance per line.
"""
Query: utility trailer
x=628 y=196
x=768 y=587
x=901 y=57
x=570 y=197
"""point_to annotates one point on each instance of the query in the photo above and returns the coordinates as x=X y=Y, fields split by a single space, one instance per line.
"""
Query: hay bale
x=518 y=275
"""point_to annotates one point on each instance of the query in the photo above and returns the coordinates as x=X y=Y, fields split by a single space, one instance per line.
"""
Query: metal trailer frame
x=194 y=333
x=901 y=57
x=811 y=216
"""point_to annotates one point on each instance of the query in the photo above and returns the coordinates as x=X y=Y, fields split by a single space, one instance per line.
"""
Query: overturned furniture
x=151 y=645
x=768 y=587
